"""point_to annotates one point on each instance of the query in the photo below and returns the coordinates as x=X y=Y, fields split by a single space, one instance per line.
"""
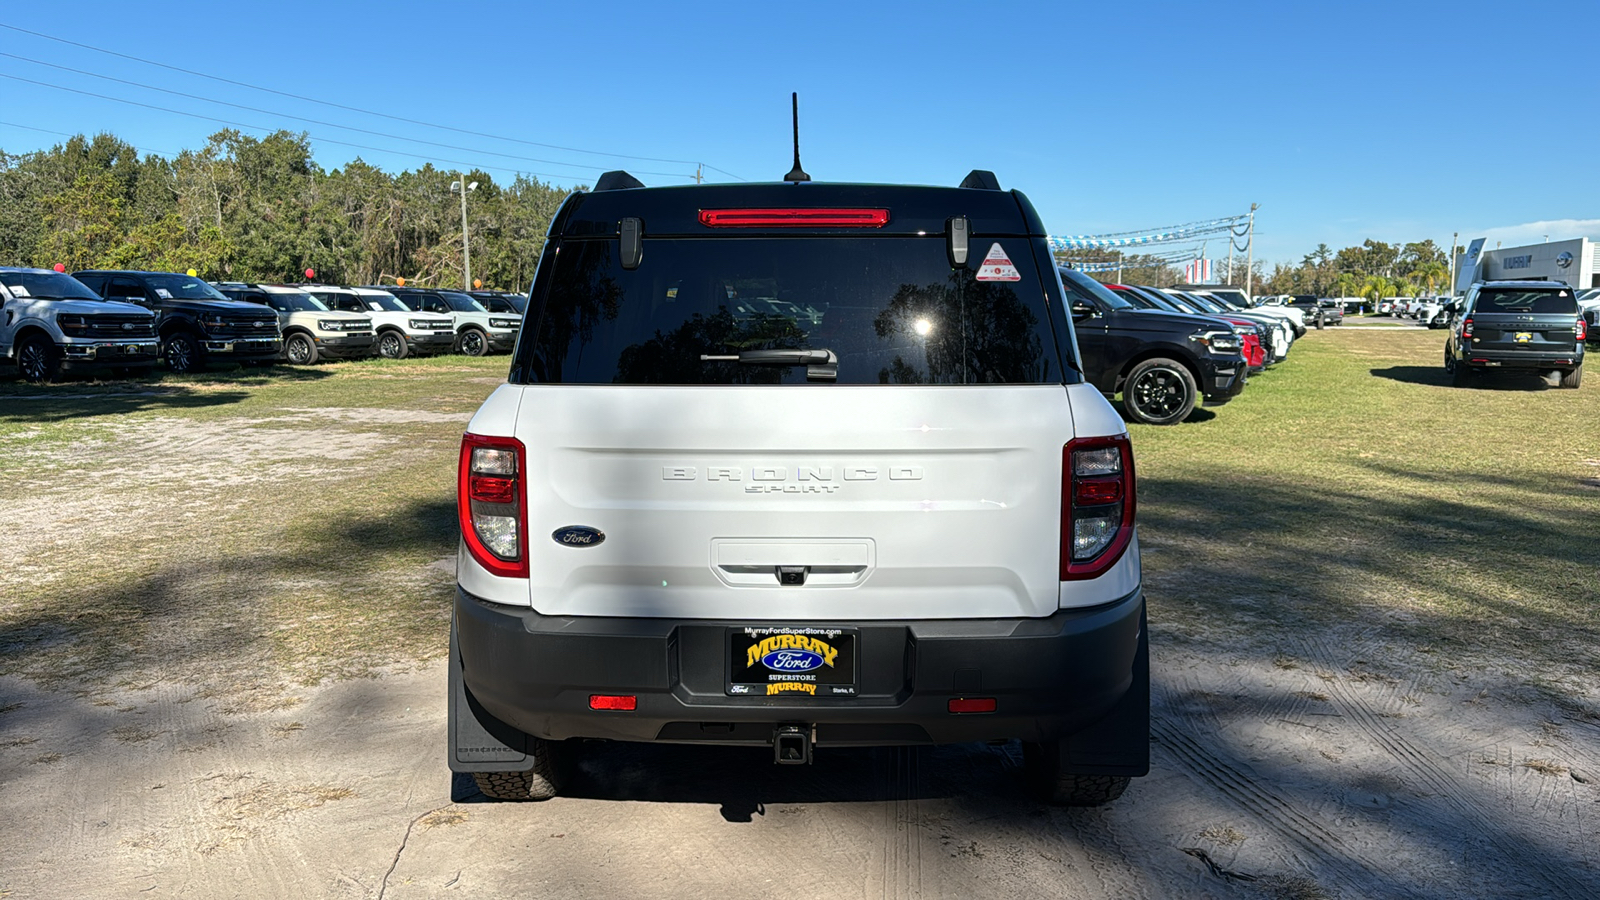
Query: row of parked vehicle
x=130 y=321
x=1166 y=350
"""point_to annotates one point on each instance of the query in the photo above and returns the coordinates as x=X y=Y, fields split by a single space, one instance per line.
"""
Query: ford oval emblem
x=578 y=536
x=792 y=660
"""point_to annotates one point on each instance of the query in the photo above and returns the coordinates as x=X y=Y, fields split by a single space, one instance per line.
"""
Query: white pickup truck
x=51 y=322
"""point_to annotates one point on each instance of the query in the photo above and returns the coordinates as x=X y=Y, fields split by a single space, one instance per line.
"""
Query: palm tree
x=1377 y=287
x=1430 y=274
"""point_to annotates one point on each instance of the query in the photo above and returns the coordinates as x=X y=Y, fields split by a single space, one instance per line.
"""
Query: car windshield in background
x=1235 y=299
x=182 y=287
x=890 y=310
x=1102 y=293
x=1506 y=300
x=384 y=303
x=296 y=302
x=461 y=302
x=48 y=285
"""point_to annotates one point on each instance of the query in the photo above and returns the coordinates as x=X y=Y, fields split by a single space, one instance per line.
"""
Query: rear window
x=1505 y=300
x=892 y=310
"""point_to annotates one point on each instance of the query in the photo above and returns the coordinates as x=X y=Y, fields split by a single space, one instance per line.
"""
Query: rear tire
x=541 y=782
x=1573 y=378
x=1459 y=374
x=1159 y=392
x=300 y=349
x=393 y=345
x=1042 y=763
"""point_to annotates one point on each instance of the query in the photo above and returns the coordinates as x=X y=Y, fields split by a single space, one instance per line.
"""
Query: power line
x=67 y=135
x=268 y=112
x=355 y=109
x=324 y=140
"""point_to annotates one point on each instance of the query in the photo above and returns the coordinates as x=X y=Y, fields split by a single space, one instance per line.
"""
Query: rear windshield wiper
x=821 y=365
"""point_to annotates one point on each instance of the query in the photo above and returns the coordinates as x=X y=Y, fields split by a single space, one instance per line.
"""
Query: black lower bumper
x=1223 y=382
x=502 y=342
x=524 y=673
x=432 y=342
x=346 y=347
x=1513 y=359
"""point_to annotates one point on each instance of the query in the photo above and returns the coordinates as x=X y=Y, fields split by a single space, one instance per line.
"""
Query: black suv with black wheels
x=1531 y=326
x=196 y=322
x=1162 y=363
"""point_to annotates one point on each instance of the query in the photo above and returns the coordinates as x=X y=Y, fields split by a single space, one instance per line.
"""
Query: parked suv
x=311 y=331
x=51 y=322
x=196 y=323
x=1161 y=363
x=478 y=331
x=1526 y=325
x=798 y=466
x=400 y=332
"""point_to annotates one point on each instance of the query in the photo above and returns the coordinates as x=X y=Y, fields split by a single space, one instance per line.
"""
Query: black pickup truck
x=195 y=321
x=1162 y=363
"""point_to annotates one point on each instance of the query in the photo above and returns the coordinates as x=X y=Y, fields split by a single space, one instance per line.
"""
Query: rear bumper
x=1521 y=359
x=1050 y=677
x=502 y=340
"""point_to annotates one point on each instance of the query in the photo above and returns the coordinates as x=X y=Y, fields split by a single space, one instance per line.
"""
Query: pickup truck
x=51 y=323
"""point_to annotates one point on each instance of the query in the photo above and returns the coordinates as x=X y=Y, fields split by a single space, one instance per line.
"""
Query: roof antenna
x=796 y=174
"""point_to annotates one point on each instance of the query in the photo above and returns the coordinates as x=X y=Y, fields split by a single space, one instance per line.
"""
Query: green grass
x=249 y=531
x=1351 y=484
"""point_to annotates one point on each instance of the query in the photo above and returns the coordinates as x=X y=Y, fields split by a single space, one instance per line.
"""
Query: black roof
x=675 y=211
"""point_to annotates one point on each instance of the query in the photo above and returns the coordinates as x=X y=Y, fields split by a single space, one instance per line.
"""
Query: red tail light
x=794 y=218
x=1097 y=505
x=489 y=504
x=1581 y=329
x=1466 y=328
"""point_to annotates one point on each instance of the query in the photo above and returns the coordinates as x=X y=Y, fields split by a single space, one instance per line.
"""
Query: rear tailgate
x=915 y=502
x=1528 y=333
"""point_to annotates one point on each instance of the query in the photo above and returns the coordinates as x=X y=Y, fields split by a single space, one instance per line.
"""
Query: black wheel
x=474 y=342
x=1460 y=376
x=393 y=345
x=1042 y=766
x=1574 y=378
x=1159 y=392
x=300 y=349
x=541 y=782
x=38 y=359
x=183 y=354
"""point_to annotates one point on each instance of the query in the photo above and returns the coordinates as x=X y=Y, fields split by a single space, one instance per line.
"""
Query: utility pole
x=1228 y=276
x=462 y=187
x=1454 y=236
x=697 y=171
x=1250 y=254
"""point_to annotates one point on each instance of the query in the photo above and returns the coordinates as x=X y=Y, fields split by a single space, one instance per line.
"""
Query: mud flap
x=1118 y=744
x=478 y=741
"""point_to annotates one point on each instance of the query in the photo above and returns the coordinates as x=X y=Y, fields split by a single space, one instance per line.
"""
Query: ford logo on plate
x=578 y=536
x=792 y=660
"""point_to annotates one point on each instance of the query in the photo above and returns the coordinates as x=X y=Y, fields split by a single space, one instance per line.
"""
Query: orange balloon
x=477 y=282
x=399 y=282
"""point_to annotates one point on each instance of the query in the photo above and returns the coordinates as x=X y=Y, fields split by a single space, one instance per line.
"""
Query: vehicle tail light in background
x=1097 y=505
x=1466 y=328
x=489 y=504
x=794 y=218
x=1581 y=329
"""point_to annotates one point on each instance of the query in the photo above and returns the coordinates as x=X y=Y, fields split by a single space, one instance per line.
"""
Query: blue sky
x=1398 y=121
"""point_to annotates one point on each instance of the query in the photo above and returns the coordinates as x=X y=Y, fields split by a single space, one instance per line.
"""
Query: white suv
x=478 y=331
x=400 y=332
x=311 y=331
x=798 y=467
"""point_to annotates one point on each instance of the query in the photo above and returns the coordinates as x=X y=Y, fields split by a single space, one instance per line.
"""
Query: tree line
x=248 y=209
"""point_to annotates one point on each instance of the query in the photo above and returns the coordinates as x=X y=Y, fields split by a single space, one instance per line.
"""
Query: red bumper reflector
x=972 y=705
x=794 y=218
x=623 y=702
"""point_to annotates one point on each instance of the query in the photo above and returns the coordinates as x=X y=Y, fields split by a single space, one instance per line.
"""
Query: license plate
x=798 y=661
x=1524 y=336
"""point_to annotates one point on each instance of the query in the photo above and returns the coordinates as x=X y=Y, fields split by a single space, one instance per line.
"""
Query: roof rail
x=981 y=180
x=617 y=180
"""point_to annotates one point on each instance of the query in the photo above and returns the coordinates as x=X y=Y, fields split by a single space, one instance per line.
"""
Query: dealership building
x=1570 y=261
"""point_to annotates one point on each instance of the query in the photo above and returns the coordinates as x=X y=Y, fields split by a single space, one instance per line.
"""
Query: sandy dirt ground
x=1302 y=776
x=1336 y=764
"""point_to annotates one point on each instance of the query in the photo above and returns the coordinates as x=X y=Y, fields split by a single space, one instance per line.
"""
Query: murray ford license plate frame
x=792 y=661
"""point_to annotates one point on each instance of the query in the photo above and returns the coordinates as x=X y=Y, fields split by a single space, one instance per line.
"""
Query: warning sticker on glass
x=163 y=293
x=996 y=266
x=18 y=290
